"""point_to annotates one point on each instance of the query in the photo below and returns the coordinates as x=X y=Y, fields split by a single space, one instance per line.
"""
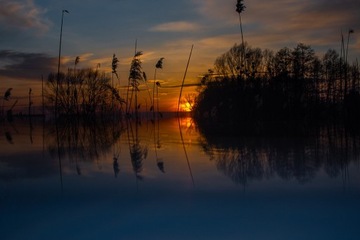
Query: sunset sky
x=95 y=30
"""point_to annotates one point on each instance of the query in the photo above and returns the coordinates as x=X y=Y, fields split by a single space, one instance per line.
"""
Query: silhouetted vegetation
x=246 y=159
x=82 y=92
x=159 y=65
x=240 y=7
x=183 y=80
x=138 y=152
x=82 y=139
x=136 y=75
x=8 y=111
x=288 y=86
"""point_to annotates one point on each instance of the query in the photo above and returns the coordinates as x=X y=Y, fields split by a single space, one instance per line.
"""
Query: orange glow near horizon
x=167 y=98
x=186 y=107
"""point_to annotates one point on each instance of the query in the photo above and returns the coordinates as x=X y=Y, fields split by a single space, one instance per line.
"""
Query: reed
x=114 y=65
x=159 y=65
x=240 y=7
x=30 y=101
x=6 y=97
x=148 y=90
x=183 y=81
x=135 y=76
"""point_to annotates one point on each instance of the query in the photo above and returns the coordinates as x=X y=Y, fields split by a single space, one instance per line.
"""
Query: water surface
x=165 y=180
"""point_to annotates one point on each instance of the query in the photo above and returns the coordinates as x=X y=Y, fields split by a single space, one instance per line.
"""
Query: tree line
x=249 y=84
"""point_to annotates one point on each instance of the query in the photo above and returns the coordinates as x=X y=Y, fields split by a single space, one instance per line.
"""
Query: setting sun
x=186 y=107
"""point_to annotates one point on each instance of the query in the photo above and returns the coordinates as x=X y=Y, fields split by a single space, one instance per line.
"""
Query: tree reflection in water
x=82 y=140
x=300 y=157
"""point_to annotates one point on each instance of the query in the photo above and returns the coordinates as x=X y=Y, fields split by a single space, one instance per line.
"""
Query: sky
x=95 y=30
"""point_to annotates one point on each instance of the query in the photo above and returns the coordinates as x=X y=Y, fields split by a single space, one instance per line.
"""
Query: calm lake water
x=165 y=180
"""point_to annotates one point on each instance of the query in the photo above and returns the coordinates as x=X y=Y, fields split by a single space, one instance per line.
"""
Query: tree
x=295 y=86
x=90 y=90
x=227 y=64
x=282 y=62
x=331 y=62
x=302 y=59
x=346 y=62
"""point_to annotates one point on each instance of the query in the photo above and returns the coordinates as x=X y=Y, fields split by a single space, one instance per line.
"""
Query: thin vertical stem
x=58 y=69
x=341 y=66
x=242 y=43
x=182 y=84
x=42 y=95
x=157 y=100
x=186 y=155
x=346 y=62
x=128 y=106
x=153 y=100
x=30 y=102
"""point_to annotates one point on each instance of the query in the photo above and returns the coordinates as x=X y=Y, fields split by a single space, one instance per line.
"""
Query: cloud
x=68 y=61
x=282 y=12
x=22 y=14
x=318 y=23
x=284 y=23
x=181 y=26
x=302 y=15
x=216 y=10
x=20 y=65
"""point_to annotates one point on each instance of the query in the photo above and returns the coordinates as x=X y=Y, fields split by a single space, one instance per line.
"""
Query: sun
x=186 y=107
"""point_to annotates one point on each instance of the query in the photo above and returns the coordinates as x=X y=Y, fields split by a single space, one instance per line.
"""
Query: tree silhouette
x=90 y=93
x=346 y=62
x=291 y=85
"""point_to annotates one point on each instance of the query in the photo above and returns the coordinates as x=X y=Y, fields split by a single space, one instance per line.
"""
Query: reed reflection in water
x=133 y=146
x=110 y=184
x=149 y=146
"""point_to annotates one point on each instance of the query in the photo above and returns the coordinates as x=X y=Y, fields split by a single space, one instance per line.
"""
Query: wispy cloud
x=284 y=23
x=218 y=11
x=25 y=65
x=181 y=26
x=69 y=60
x=283 y=12
x=22 y=14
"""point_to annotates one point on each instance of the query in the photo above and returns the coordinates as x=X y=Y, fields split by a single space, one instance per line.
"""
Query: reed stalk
x=240 y=7
x=159 y=65
x=183 y=81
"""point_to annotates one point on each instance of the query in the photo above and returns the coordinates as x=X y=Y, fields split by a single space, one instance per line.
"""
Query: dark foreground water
x=166 y=181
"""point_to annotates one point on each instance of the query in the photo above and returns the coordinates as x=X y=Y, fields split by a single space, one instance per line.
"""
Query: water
x=168 y=181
